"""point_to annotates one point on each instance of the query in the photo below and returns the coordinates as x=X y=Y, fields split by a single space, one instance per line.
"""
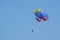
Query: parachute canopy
x=41 y=15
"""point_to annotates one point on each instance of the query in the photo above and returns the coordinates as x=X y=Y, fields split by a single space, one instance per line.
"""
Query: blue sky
x=17 y=19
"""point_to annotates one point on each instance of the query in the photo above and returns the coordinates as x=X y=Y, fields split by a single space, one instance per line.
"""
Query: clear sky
x=17 y=20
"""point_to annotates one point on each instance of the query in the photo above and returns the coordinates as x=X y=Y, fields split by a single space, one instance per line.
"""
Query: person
x=32 y=30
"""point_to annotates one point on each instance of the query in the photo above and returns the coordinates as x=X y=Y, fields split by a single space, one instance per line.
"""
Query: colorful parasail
x=41 y=15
